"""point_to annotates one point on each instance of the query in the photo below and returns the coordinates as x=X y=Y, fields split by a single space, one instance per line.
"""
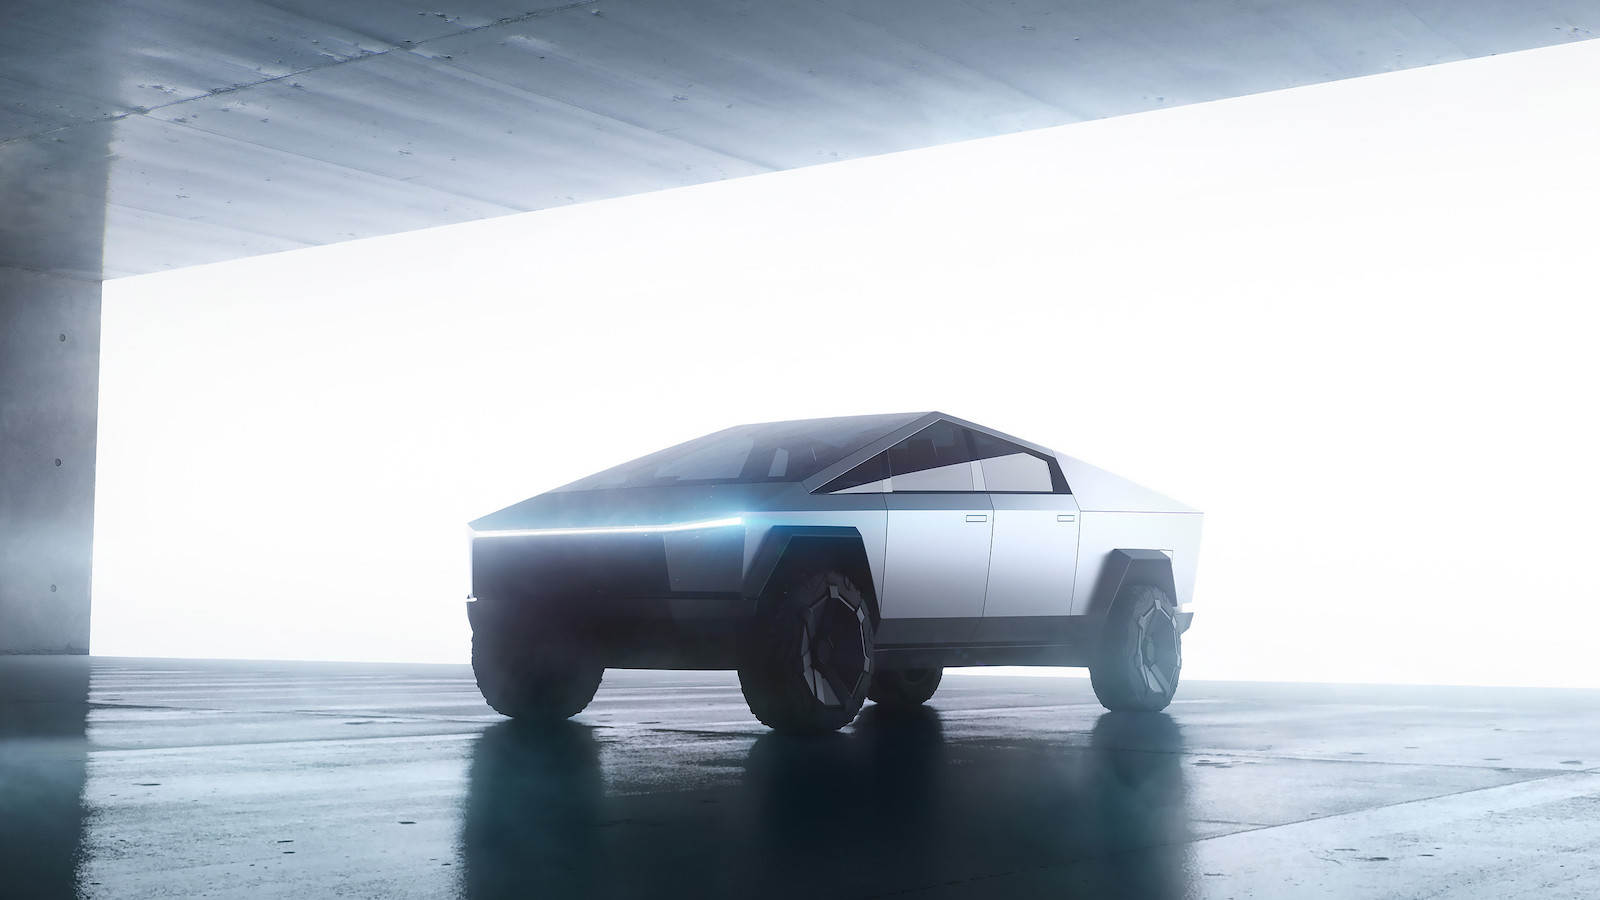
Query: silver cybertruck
x=830 y=561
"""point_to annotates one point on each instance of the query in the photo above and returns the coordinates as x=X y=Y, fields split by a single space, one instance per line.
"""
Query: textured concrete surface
x=264 y=125
x=152 y=778
x=49 y=402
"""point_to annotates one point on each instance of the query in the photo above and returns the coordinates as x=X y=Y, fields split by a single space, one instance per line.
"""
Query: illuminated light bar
x=613 y=529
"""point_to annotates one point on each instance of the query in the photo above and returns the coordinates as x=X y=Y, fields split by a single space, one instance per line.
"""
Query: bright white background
x=1354 y=323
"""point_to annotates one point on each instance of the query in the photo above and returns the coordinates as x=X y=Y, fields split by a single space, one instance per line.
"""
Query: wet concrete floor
x=123 y=778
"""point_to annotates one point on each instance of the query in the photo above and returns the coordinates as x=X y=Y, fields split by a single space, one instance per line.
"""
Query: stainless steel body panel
x=1033 y=557
x=936 y=560
x=1176 y=533
x=1103 y=491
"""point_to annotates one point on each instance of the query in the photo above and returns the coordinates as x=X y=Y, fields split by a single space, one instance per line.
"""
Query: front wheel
x=811 y=660
x=546 y=676
x=1136 y=666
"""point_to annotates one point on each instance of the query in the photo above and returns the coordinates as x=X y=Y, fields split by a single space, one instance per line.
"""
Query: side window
x=1008 y=468
x=937 y=458
x=1016 y=472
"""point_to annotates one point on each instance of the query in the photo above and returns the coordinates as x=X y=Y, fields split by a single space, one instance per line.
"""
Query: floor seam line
x=1385 y=806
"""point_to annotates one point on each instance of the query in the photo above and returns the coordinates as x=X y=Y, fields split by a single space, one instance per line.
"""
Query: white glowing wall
x=1354 y=323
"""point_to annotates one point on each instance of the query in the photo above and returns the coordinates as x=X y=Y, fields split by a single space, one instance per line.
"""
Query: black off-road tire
x=1140 y=656
x=810 y=662
x=545 y=677
x=904 y=688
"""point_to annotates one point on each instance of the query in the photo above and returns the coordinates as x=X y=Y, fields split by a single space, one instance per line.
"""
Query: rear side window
x=1010 y=469
x=1016 y=472
x=946 y=457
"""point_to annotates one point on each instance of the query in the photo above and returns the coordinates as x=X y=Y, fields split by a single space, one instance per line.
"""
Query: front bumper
x=667 y=598
x=572 y=567
x=634 y=632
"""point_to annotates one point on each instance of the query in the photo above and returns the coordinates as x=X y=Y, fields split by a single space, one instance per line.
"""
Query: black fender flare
x=1125 y=569
x=841 y=545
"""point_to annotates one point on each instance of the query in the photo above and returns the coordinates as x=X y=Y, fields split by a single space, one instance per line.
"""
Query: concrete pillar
x=49 y=390
x=52 y=233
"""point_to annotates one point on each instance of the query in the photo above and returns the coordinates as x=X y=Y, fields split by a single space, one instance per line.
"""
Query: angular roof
x=1094 y=488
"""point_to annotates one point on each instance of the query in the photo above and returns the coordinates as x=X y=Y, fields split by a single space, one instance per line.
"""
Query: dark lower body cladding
x=639 y=601
x=690 y=632
x=1071 y=641
x=671 y=601
x=632 y=633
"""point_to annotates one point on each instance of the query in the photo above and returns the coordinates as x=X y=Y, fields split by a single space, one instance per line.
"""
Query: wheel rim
x=833 y=649
x=1159 y=658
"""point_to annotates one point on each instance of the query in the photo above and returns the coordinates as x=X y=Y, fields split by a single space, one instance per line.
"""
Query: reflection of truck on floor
x=829 y=561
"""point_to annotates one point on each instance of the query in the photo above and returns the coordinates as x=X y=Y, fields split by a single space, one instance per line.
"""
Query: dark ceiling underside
x=192 y=131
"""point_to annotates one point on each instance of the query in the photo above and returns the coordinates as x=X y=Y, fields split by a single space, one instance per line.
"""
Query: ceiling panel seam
x=414 y=181
x=332 y=63
x=214 y=92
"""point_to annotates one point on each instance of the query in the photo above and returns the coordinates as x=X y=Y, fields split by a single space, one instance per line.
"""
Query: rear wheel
x=905 y=687
x=534 y=675
x=1136 y=666
x=811 y=660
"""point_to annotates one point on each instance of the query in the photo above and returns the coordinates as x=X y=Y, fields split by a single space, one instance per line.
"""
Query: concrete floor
x=124 y=778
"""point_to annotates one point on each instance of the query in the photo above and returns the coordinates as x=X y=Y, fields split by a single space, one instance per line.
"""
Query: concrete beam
x=258 y=126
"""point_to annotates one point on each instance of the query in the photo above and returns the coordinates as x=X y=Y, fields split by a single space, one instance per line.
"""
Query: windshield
x=746 y=454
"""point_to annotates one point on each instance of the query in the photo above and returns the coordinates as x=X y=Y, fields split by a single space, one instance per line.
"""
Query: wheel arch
x=785 y=545
x=1125 y=568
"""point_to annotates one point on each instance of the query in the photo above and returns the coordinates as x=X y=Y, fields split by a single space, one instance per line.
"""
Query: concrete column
x=49 y=392
x=55 y=161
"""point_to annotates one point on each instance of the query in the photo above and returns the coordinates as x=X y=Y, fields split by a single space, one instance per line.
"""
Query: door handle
x=977 y=518
x=1066 y=518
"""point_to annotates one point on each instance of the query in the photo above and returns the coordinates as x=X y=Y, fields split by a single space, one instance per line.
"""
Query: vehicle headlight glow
x=614 y=529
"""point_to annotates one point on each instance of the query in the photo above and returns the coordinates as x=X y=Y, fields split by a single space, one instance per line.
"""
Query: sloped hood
x=1097 y=490
x=611 y=507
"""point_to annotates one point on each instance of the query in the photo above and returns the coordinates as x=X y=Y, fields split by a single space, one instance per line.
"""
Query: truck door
x=936 y=561
x=1035 y=545
x=936 y=550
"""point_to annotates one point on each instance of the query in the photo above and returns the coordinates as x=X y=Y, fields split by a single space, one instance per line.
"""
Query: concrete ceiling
x=193 y=131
